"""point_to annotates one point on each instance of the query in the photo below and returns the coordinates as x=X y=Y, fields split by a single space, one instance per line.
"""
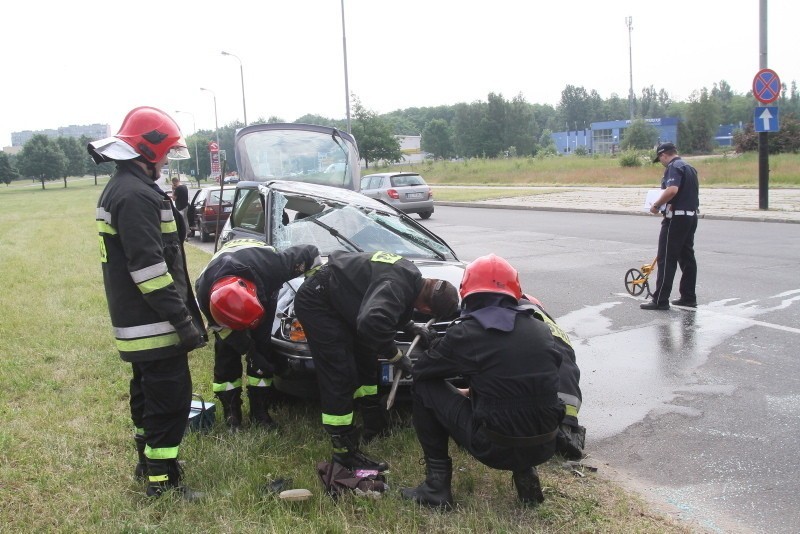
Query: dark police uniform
x=510 y=361
x=676 y=238
x=351 y=310
x=148 y=291
x=259 y=263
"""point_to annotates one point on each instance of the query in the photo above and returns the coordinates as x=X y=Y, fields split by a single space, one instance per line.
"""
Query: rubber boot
x=570 y=441
x=529 y=488
x=376 y=421
x=259 y=408
x=347 y=453
x=435 y=491
x=166 y=475
x=140 y=471
x=231 y=400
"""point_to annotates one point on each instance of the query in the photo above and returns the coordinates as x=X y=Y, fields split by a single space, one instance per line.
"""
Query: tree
x=437 y=138
x=374 y=136
x=639 y=135
x=75 y=157
x=521 y=127
x=42 y=158
x=787 y=139
x=702 y=120
x=7 y=171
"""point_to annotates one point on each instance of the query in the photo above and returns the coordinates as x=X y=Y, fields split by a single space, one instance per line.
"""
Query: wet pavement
x=726 y=204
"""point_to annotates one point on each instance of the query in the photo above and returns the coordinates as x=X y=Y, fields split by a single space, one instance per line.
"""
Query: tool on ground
x=295 y=495
x=398 y=376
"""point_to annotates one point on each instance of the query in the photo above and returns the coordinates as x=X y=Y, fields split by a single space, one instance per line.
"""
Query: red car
x=207 y=215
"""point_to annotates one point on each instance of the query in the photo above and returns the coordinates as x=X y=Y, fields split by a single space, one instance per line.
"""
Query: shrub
x=630 y=159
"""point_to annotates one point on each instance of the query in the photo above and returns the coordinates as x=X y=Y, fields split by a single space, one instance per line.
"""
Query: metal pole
x=763 y=137
x=216 y=124
x=346 y=86
x=629 y=23
x=196 y=153
x=241 y=71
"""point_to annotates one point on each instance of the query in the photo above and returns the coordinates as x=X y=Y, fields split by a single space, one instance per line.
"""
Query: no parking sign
x=766 y=86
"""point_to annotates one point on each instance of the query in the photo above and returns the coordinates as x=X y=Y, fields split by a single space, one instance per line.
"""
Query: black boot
x=141 y=466
x=376 y=421
x=347 y=453
x=165 y=475
x=231 y=407
x=259 y=408
x=570 y=441
x=529 y=488
x=435 y=491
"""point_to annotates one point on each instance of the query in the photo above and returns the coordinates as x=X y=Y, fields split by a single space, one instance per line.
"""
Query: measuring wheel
x=636 y=283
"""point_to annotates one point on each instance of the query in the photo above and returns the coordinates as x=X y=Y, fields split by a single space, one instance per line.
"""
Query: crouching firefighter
x=351 y=310
x=571 y=436
x=237 y=292
x=153 y=311
x=508 y=417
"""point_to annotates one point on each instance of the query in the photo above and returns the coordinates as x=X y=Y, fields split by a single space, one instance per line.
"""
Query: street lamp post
x=216 y=123
x=629 y=24
x=346 y=88
x=196 y=153
x=241 y=71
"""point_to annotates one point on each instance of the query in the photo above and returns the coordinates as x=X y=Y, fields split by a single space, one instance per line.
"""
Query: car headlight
x=292 y=330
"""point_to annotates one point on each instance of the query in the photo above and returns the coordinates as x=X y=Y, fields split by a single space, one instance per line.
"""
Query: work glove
x=402 y=363
x=426 y=334
x=190 y=336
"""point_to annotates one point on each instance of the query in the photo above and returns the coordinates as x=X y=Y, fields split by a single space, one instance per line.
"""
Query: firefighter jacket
x=512 y=371
x=374 y=293
x=144 y=266
x=257 y=262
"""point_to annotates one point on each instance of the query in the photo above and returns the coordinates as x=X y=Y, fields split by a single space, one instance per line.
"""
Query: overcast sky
x=82 y=62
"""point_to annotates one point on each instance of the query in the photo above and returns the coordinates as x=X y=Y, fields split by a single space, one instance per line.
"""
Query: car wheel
x=205 y=237
x=425 y=215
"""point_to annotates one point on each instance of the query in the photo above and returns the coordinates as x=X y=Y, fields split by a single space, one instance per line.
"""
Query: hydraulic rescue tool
x=399 y=375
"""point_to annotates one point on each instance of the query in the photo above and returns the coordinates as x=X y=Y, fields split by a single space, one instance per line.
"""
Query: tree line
x=493 y=128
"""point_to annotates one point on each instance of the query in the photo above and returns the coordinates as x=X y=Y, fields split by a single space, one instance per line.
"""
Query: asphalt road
x=695 y=409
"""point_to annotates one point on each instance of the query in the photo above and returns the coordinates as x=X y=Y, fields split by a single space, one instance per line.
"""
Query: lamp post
x=241 y=71
x=629 y=24
x=346 y=88
x=216 y=124
x=196 y=153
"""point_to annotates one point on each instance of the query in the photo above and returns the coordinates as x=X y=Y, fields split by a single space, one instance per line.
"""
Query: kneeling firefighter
x=237 y=292
x=508 y=418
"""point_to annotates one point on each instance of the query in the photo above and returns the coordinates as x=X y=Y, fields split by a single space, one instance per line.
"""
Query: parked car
x=406 y=191
x=206 y=214
x=286 y=213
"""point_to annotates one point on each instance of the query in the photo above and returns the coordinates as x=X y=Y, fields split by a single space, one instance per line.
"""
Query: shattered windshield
x=299 y=155
x=330 y=225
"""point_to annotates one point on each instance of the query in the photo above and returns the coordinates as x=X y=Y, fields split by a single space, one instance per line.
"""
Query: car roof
x=402 y=173
x=345 y=196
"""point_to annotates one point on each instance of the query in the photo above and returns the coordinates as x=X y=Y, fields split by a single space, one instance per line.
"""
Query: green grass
x=717 y=171
x=66 y=453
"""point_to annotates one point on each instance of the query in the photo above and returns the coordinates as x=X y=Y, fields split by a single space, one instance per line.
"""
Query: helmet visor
x=178 y=152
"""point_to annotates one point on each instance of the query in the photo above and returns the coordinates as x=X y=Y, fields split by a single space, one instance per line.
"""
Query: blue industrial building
x=605 y=137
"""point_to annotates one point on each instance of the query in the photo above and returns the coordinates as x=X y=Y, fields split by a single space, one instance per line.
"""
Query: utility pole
x=629 y=23
x=763 y=137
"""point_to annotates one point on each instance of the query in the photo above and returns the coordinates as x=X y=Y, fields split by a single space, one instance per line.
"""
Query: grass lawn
x=66 y=448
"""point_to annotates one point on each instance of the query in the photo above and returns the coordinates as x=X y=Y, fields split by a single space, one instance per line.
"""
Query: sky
x=86 y=62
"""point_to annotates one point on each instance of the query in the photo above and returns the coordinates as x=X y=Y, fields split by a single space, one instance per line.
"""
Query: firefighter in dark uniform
x=153 y=310
x=509 y=415
x=237 y=292
x=680 y=200
x=571 y=436
x=351 y=310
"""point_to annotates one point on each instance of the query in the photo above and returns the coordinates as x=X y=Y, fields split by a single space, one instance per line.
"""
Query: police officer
x=508 y=418
x=681 y=203
x=571 y=437
x=237 y=292
x=153 y=310
x=351 y=310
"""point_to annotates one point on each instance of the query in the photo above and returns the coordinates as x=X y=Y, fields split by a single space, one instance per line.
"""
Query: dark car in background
x=406 y=191
x=207 y=215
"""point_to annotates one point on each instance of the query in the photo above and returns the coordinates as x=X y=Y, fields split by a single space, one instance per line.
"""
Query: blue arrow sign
x=765 y=119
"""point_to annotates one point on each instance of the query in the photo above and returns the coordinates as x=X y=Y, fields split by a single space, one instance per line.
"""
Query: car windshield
x=299 y=155
x=332 y=225
x=227 y=196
